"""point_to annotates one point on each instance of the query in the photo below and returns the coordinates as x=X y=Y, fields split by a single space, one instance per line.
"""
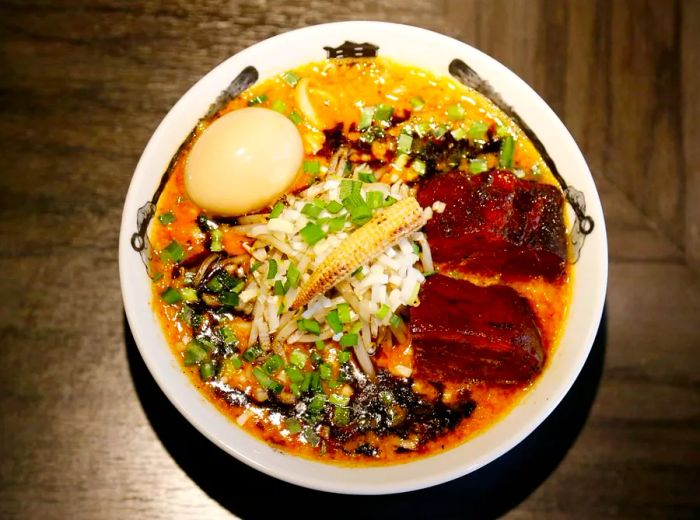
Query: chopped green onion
x=366 y=116
x=173 y=252
x=389 y=201
x=194 y=353
x=279 y=289
x=417 y=102
x=341 y=416
x=216 y=240
x=311 y=210
x=353 y=200
x=311 y=436
x=422 y=129
x=320 y=345
x=366 y=177
x=339 y=400
x=316 y=404
x=298 y=358
x=348 y=340
x=375 y=199
x=256 y=265
x=277 y=210
x=236 y=362
x=188 y=294
x=334 y=322
x=395 y=320
x=228 y=336
x=291 y=77
x=295 y=118
x=171 y=296
x=293 y=425
x=360 y=214
x=159 y=275
x=356 y=327
x=306 y=383
x=349 y=187
x=455 y=112
x=439 y=131
x=264 y=380
x=344 y=313
x=273 y=364
x=459 y=133
x=502 y=131
x=279 y=106
x=215 y=285
x=383 y=311
x=186 y=314
x=383 y=112
x=294 y=374
x=252 y=353
x=336 y=224
x=477 y=165
x=478 y=130
x=308 y=325
x=293 y=275
x=404 y=143
x=272 y=269
x=257 y=100
x=276 y=387
x=312 y=233
x=167 y=218
x=205 y=342
x=343 y=356
x=505 y=159
x=313 y=167
x=230 y=299
x=334 y=207
x=316 y=359
x=206 y=370
x=325 y=371
x=418 y=166
x=358 y=273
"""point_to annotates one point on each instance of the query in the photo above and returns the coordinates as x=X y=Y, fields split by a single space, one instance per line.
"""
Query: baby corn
x=383 y=230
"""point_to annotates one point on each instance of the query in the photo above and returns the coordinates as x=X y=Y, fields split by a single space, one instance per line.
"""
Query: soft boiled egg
x=243 y=161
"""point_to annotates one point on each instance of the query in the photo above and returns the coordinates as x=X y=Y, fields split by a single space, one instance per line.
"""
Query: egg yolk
x=243 y=161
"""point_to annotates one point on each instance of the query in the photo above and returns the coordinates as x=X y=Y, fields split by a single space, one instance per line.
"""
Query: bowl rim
x=313 y=474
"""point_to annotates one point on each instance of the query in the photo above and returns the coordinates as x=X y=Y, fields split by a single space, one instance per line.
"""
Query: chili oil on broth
x=339 y=90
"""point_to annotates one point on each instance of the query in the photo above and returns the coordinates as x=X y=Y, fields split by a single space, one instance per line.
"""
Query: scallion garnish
x=417 y=102
x=228 y=336
x=272 y=269
x=478 y=130
x=375 y=199
x=505 y=159
x=309 y=325
x=311 y=210
x=339 y=400
x=341 y=416
x=348 y=340
x=383 y=311
x=366 y=116
x=279 y=289
x=277 y=210
x=336 y=224
x=298 y=358
x=344 y=313
x=325 y=371
x=273 y=364
x=229 y=299
x=194 y=353
x=216 y=240
x=383 y=112
x=279 y=106
x=257 y=100
x=294 y=374
x=171 y=295
x=291 y=77
x=167 y=218
x=404 y=143
x=349 y=187
x=252 y=353
x=312 y=167
x=455 y=112
x=312 y=233
x=395 y=320
x=206 y=370
x=477 y=165
x=389 y=200
x=295 y=118
x=343 y=356
x=360 y=214
x=458 y=133
x=334 y=207
x=293 y=425
x=334 y=322
x=320 y=345
x=173 y=252
x=418 y=166
x=293 y=275
x=188 y=294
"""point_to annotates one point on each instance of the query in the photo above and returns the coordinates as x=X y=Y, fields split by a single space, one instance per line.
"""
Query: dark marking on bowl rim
x=583 y=224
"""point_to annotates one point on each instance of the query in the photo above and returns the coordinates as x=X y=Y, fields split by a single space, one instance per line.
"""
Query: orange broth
x=339 y=89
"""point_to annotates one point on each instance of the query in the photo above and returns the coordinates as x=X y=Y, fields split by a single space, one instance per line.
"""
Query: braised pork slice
x=495 y=223
x=462 y=331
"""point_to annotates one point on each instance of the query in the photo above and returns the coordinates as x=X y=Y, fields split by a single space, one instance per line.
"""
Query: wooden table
x=85 y=432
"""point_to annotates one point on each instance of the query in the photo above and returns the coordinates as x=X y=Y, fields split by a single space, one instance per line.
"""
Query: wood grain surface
x=84 y=430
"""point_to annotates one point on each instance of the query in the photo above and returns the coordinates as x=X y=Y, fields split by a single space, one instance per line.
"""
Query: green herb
x=272 y=269
x=311 y=210
x=383 y=311
x=257 y=100
x=173 y=252
x=334 y=322
x=167 y=218
x=395 y=320
x=264 y=380
x=366 y=116
x=215 y=285
x=252 y=353
x=157 y=276
x=279 y=106
x=235 y=361
x=194 y=353
x=206 y=370
x=312 y=233
x=170 y=296
x=230 y=299
x=298 y=358
x=477 y=165
x=348 y=340
x=216 y=240
x=418 y=166
x=478 y=130
x=344 y=313
x=334 y=207
x=341 y=416
x=277 y=210
x=311 y=437
x=459 y=133
x=339 y=400
x=440 y=130
x=383 y=112
x=316 y=404
x=256 y=265
x=349 y=187
x=455 y=112
x=389 y=201
x=279 y=289
x=375 y=199
x=320 y=345
x=336 y=224
x=295 y=118
x=293 y=425
x=325 y=371
x=188 y=294
x=291 y=77
x=360 y=214
x=316 y=358
x=505 y=159
x=404 y=143
x=343 y=356
x=294 y=374
x=312 y=167
x=293 y=275
x=228 y=337
x=417 y=102
x=308 y=325
x=273 y=364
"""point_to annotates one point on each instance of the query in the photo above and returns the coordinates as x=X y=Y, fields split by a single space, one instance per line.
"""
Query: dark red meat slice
x=462 y=331
x=495 y=223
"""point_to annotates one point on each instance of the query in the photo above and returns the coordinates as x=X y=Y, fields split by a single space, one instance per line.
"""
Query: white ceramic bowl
x=433 y=52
